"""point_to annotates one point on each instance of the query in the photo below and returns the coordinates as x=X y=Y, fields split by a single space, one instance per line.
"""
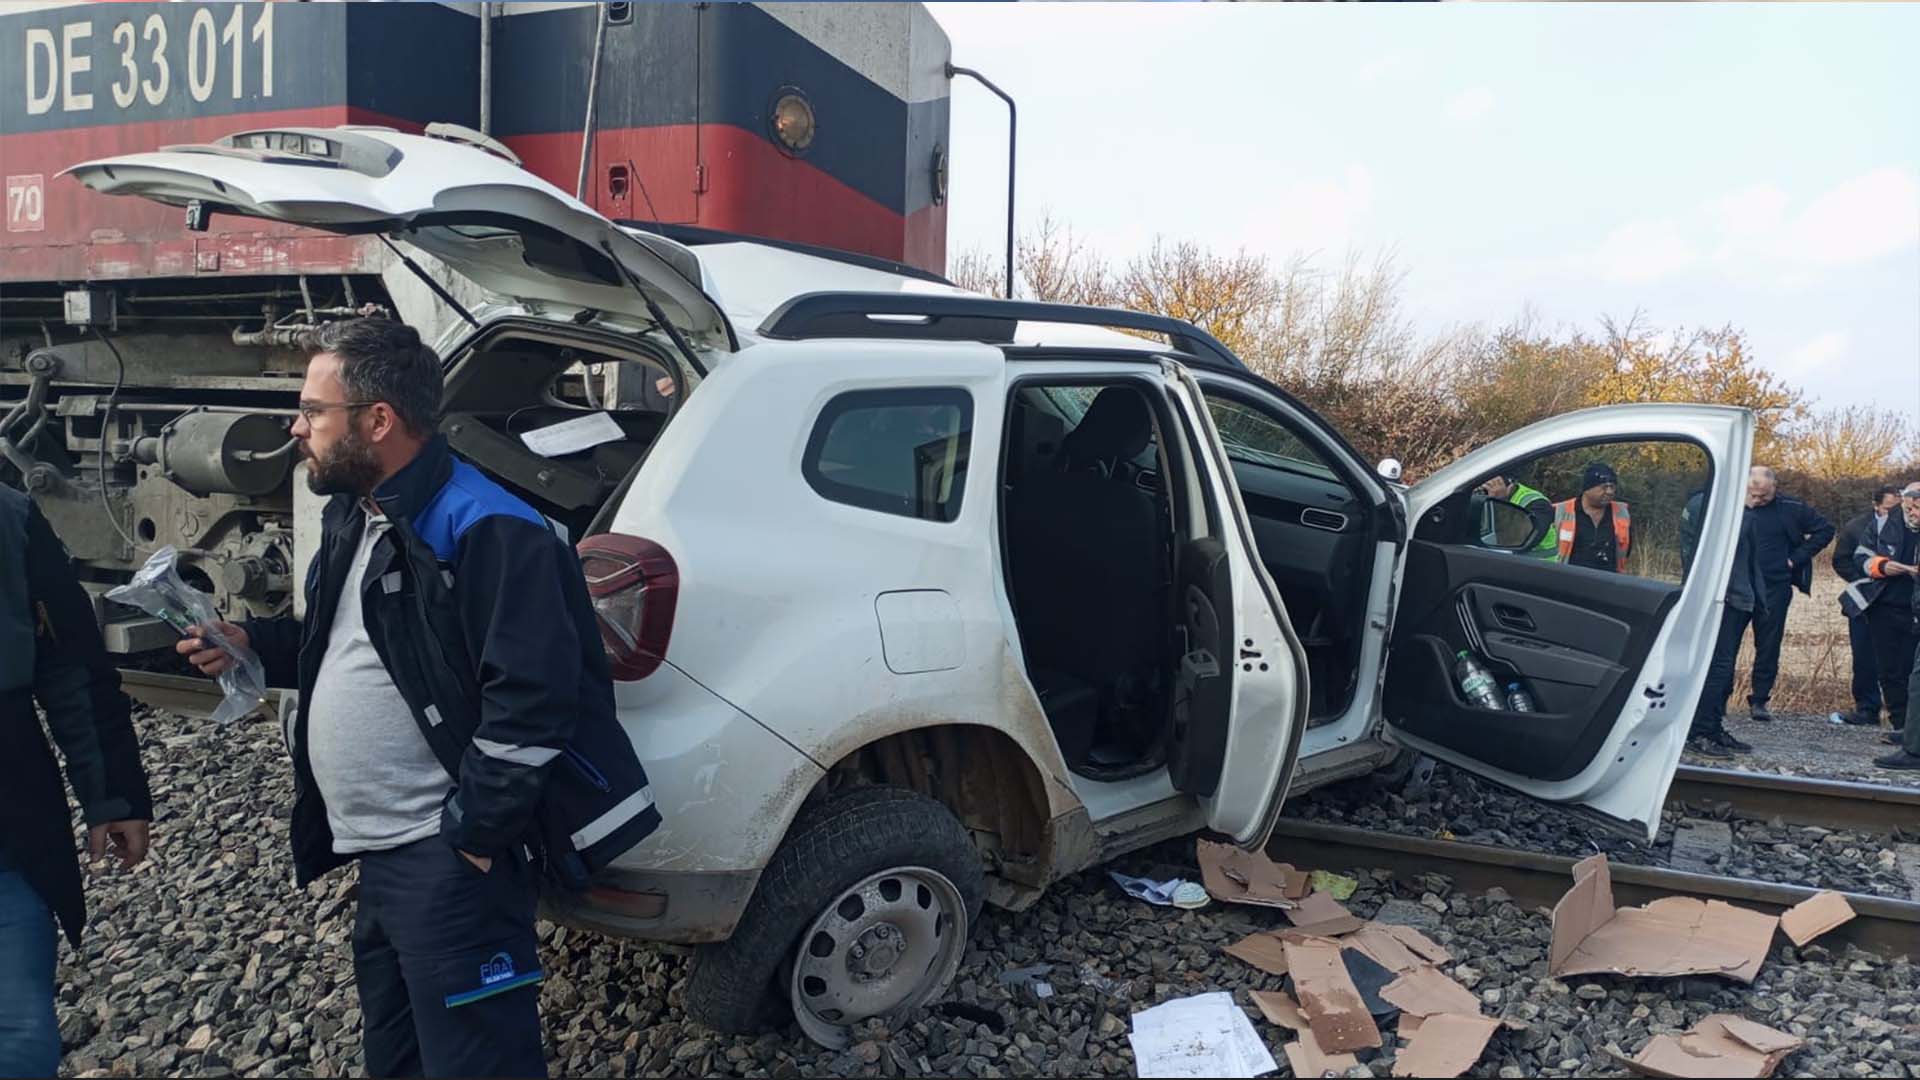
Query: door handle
x=1513 y=618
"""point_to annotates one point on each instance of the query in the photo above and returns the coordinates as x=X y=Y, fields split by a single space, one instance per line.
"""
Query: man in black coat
x=1864 y=530
x=1787 y=534
x=51 y=653
x=1892 y=598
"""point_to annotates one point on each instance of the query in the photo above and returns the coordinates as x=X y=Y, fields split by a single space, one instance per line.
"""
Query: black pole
x=1013 y=127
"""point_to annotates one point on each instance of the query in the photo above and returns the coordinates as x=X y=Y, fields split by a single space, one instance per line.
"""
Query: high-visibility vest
x=1523 y=496
x=1565 y=525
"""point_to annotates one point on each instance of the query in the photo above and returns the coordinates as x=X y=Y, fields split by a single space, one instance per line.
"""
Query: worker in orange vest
x=1596 y=529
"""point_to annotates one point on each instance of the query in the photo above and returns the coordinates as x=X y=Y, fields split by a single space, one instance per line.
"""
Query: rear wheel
x=864 y=911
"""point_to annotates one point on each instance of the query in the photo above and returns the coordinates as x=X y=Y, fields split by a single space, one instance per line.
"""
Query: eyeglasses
x=311 y=409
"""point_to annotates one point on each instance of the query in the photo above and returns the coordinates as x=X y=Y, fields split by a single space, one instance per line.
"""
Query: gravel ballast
x=206 y=960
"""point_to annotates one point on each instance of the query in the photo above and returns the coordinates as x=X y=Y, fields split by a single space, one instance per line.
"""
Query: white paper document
x=573 y=436
x=1201 y=1036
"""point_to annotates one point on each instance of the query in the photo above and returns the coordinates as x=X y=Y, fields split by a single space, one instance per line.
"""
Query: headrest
x=1116 y=427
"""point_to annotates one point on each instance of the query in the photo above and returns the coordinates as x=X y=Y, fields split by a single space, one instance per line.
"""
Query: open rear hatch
x=510 y=232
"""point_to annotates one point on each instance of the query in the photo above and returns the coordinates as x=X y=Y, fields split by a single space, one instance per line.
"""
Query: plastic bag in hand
x=158 y=591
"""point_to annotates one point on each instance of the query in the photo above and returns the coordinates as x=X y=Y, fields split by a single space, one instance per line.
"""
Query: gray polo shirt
x=380 y=780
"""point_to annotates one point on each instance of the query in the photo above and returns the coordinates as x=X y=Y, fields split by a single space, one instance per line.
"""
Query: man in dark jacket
x=51 y=652
x=1864 y=531
x=456 y=731
x=1787 y=534
x=1891 y=568
x=1745 y=594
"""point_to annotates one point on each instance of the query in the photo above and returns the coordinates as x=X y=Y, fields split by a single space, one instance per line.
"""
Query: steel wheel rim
x=889 y=944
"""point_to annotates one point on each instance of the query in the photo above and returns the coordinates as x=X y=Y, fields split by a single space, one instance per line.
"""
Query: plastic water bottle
x=1518 y=700
x=1475 y=681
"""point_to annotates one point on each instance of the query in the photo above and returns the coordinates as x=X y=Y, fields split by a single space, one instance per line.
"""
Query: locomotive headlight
x=792 y=121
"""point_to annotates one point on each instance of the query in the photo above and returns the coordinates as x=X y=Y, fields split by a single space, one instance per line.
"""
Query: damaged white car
x=918 y=599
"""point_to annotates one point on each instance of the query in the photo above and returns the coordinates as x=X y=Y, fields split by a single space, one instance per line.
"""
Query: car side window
x=895 y=451
x=1254 y=438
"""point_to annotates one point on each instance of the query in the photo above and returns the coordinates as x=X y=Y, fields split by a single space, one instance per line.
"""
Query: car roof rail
x=939 y=317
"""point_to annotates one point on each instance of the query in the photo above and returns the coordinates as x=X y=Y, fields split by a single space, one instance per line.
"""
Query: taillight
x=634 y=585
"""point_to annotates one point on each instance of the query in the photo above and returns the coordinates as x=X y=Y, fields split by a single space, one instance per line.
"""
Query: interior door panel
x=1571 y=636
x=1203 y=686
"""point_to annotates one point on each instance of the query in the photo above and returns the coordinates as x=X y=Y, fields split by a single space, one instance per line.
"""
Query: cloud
x=1642 y=251
x=1874 y=214
x=1381 y=67
x=1470 y=104
x=1813 y=357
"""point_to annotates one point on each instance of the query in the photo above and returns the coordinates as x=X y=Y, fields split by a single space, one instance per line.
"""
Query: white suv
x=919 y=599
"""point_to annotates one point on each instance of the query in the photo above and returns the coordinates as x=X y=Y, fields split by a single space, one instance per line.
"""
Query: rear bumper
x=673 y=908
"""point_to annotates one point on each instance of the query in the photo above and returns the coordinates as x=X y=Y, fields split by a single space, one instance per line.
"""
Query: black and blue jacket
x=482 y=618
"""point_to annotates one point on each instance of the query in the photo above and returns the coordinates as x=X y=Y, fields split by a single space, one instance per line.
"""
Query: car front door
x=1241 y=693
x=1613 y=649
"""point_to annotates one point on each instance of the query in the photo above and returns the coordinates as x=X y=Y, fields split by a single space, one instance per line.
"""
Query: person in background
x=1594 y=530
x=1864 y=531
x=1895 y=564
x=51 y=652
x=1787 y=534
x=1537 y=506
x=1708 y=736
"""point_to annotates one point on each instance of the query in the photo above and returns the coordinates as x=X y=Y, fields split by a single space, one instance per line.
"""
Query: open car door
x=510 y=232
x=1240 y=696
x=1615 y=661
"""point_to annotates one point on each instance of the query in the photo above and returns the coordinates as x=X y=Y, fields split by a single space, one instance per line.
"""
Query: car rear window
x=895 y=451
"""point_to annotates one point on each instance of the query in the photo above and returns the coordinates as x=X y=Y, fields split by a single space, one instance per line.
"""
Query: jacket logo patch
x=497 y=969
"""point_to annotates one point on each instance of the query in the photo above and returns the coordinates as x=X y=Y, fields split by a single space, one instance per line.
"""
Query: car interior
x=1573 y=637
x=1316 y=538
x=514 y=383
x=1089 y=539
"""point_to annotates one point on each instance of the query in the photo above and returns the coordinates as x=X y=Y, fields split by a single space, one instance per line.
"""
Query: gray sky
x=1708 y=164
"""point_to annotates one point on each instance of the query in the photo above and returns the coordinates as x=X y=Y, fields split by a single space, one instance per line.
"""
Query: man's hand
x=129 y=840
x=483 y=863
x=205 y=655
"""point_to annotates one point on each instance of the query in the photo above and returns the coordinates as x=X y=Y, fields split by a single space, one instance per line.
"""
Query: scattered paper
x=1445 y=1045
x=1202 y=1036
x=1810 y=918
x=1719 y=1046
x=1263 y=951
x=1338 y=886
x=1321 y=915
x=1235 y=876
x=1425 y=991
x=1675 y=935
x=1174 y=893
x=1331 y=1003
x=573 y=436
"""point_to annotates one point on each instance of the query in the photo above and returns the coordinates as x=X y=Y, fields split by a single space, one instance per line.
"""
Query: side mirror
x=1509 y=528
x=1389 y=469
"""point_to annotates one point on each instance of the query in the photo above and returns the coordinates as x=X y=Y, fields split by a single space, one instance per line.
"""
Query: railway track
x=1799 y=800
x=176 y=693
x=1884 y=925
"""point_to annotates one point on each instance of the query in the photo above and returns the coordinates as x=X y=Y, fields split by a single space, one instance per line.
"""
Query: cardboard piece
x=1263 y=951
x=1675 y=935
x=1331 y=1003
x=1396 y=948
x=1320 y=914
x=1719 y=1046
x=1425 y=991
x=1445 y=1045
x=1248 y=877
x=1409 y=1025
x=1306 y=1058
x=1280 y=1009
x=1810 y=918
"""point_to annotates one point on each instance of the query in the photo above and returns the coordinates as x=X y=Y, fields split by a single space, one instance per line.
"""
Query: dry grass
x=1816 y=664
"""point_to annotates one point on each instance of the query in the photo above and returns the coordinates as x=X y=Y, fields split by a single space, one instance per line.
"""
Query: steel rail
x=1800 y=800
x=171 y=693
x=1883 y=925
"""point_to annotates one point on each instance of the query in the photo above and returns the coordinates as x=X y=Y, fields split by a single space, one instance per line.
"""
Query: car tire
x=881 y=835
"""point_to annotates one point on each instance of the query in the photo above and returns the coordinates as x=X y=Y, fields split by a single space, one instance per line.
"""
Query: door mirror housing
x=1389 y=469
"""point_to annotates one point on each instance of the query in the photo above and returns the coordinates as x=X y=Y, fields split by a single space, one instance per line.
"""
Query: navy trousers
x=448 y=964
